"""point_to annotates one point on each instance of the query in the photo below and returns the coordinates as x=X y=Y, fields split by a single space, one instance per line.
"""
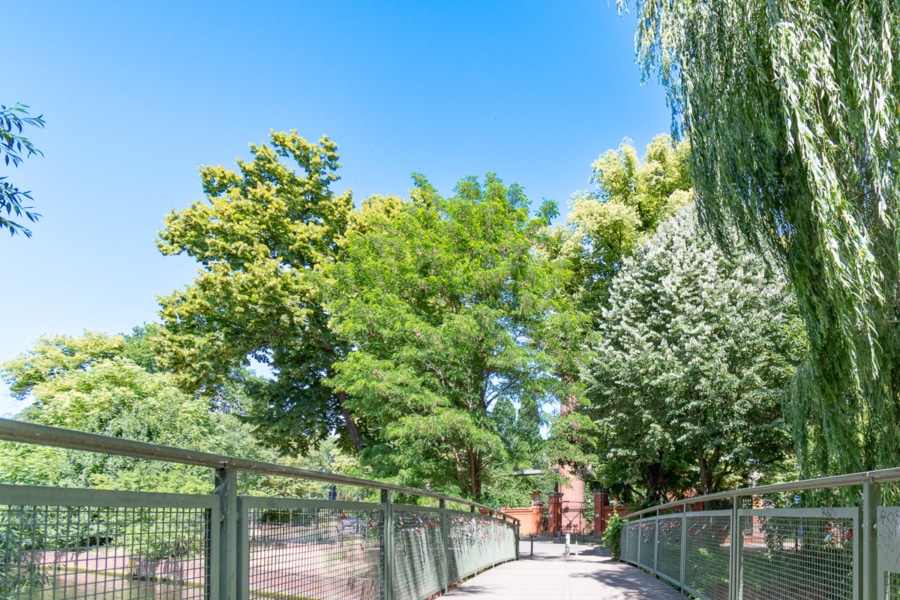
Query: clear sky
x=137 y=95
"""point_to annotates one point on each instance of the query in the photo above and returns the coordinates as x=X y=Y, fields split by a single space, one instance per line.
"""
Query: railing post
x=656 y=544
x=445 y=545
x=640 y=527
x=734 y=578
x=387 y=546
x=518 y=534
x=242 y=556
x=226 y=490
x=869 y=549
x=684 y=509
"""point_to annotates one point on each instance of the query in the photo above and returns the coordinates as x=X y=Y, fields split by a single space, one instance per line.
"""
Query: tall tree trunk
x=352 y=429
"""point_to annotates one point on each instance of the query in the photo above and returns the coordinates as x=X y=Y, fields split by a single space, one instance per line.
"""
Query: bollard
x=532 y=544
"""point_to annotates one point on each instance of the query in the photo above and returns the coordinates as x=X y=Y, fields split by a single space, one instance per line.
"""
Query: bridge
x=589 y=572
x=830 y=538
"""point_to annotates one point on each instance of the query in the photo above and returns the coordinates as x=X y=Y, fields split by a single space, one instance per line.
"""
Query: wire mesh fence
x=647 y=541
x=798 y=553
x=310 y=549
x=707 y=536
x=755 y=552
x=477 y=542
x=420 y=561
x=668 y=550
x=63 y=543
x=85 y=544
x=119 y=545
x=631 y=544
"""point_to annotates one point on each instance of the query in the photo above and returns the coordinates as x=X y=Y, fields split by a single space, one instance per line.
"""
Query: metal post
x=640 y=527
x=226 y=490
x=734 y=575
x=656 y=544
x=518 y=539
x=387 y=546
x=684 y=508
x=242 y=556
x=869 y=550
x=445 y=547
x=532 y=544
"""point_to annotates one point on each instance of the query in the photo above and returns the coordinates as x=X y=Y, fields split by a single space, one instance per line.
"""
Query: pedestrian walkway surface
x=590 y=573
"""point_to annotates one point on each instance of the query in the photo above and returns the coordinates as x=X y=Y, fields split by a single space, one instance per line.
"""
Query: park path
x=589 y=574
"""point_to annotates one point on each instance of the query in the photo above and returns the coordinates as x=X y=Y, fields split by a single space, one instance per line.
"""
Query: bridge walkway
x=589 y=574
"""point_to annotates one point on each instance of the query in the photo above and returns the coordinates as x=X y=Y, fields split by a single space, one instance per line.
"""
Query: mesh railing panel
x=477 y=542
x=647 y=540
x=313 y=551
x=418 y=554
x=889 y=552
x=707 y=554
x=798 y=554
x=891 y=586
x=668 y=551
x=99 y=551
x=633 y=533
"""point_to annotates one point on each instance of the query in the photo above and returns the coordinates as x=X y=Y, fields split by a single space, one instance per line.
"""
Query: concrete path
x=591 y=574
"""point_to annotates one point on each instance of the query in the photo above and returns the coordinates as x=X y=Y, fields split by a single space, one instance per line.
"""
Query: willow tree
x=791 y=108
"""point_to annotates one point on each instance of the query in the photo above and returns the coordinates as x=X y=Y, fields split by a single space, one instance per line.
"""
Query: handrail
x=44 y=435
x=879 y=476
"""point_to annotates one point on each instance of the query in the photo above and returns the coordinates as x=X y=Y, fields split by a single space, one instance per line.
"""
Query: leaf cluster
x=14 y=147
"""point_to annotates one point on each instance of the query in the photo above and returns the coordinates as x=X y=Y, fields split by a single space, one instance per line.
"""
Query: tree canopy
x=605 y=226
x=14 y=147
x=402 y=326
x=88 y=384
x=444 y=302
x=695 y=353
x=631 y=198
x=260 y=236
x=791 y=110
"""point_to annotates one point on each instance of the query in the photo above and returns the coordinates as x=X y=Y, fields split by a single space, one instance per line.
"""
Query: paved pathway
x=589 y=574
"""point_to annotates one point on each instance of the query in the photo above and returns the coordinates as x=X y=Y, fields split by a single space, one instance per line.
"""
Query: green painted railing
x=71 y=543
x=830 y=538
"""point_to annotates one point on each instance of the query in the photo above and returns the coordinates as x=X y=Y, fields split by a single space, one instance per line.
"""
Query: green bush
x=612 y=537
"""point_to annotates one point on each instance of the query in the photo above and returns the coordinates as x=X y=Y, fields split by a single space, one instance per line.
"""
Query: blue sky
x=137 y=95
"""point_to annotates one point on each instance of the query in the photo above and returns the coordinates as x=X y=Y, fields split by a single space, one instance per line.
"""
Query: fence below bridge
x=59 y=543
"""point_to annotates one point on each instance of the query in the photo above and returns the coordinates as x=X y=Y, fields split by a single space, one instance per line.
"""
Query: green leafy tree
x=695 y=355
x=86 y=384
x=58 y=355
x=14 y=147
x=632 y=197
x=791 y=109
x=605 y=227
x=444 y=302
x=263 y=232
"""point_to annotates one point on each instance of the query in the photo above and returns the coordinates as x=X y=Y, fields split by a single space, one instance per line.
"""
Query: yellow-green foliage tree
x=260 y=237
x=632 y=196
x=87 y=384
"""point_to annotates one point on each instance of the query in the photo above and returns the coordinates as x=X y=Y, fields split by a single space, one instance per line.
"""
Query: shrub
x=612 y=537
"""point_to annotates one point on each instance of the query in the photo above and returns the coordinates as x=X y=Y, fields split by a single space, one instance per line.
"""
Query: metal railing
x=821 y=538
x=60 y=543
